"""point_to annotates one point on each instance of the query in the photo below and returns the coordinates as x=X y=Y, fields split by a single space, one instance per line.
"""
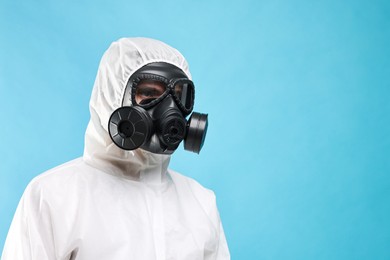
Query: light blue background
x=298 y=93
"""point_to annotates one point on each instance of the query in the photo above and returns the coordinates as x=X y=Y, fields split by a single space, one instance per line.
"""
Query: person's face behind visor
x=150 y=90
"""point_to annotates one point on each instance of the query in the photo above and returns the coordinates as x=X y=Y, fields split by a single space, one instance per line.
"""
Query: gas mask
x=158 y=98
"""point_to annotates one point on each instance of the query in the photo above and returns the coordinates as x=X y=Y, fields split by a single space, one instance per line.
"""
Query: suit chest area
x=139 y=222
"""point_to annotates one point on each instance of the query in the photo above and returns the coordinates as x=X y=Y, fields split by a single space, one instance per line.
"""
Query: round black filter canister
x=196 y=132
x=129 y=127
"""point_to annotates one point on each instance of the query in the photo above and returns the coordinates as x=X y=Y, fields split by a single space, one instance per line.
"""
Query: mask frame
x=169 y=89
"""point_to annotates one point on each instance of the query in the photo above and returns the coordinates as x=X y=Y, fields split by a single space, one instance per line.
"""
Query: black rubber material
x=172 y=131
x=196 y=132
x=130 y=127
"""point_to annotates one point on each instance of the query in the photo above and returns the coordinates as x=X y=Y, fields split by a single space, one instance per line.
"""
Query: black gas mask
x=157 y=100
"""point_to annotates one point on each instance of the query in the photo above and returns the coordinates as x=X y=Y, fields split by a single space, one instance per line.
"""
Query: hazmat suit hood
x=119 y=62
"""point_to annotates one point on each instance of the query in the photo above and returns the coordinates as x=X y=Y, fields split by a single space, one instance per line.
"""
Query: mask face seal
x=158 y=97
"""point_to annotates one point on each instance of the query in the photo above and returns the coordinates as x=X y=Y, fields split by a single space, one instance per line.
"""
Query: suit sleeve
x=30 y=236
x=222 y=249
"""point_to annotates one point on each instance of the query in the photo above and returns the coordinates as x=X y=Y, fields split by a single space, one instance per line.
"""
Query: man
x=119 y=201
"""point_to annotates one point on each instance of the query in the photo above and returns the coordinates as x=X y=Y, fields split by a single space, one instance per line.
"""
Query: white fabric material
x=115 y=204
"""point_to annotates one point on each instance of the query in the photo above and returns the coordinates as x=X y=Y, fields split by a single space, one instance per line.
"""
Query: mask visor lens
x=148 y=91
x=184 y=91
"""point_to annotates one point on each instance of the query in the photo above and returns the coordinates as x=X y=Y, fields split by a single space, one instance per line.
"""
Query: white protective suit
x=113 y=204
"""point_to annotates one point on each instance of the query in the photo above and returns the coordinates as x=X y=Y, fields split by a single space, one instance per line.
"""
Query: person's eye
x=147 y=92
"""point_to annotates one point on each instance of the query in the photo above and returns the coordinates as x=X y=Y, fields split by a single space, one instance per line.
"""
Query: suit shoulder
x=57 y=174
x=205 y=194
